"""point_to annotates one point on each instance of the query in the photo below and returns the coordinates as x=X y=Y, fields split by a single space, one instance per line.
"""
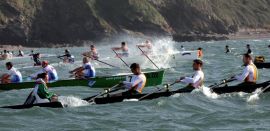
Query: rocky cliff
x=46 y=22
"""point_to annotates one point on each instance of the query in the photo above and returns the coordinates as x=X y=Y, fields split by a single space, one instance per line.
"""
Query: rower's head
x=86 y=60
x=66 y=51
x=9 y=65
x=197 y=64
x=227 y=46
x=200 y=48
x=135 y=69
x=44 y=77
x=247 y=59
x=92 y=47
x=123 y=44
x=44 y=63
x=248 y=46
x=5 y=51
x=268 y=46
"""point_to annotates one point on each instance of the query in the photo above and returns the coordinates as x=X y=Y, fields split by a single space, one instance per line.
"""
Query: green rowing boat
x=153 y=78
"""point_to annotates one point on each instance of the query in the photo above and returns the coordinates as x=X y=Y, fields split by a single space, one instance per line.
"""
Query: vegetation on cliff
x=40 y=22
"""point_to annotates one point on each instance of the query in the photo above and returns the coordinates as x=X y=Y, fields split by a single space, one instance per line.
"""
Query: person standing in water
x=227 y=49
x=249 y=51
x=124 y=50
x=200 y=52
x=21 y=54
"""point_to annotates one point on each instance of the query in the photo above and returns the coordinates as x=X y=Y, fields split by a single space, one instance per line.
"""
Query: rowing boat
x=218 y=90
x=113 y=99
x=153 y=78
x=160 y=59
x=262 y=65
x=49 y=105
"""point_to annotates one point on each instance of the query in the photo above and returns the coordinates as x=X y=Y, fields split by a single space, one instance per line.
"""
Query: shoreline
x=242 y=35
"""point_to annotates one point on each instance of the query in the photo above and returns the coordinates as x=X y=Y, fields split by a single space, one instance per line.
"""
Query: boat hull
x=218 y=90
x=153 y=78
x=262 y=65
x=49 y=105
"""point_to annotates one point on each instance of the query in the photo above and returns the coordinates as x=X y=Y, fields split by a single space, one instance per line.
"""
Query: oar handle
x=166 y=86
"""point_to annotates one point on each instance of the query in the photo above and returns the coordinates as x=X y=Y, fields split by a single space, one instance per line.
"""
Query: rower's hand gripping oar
x=107 y=91
x=100 y=61
x=166 y=87
x=148 y=58
x=120 y=58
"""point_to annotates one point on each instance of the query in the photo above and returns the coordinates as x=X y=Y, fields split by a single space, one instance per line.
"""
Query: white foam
x=208 y=93
x=255 y=96
x=241 y=94
x=72 y=101
x=131 y=100
x=176 y=95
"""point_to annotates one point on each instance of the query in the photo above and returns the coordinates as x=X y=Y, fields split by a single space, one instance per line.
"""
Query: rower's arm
x=243 y=76
x=44 y=92
x=62 y=56
x=191 y=80
x=77 y=69
x=34 y=76
x=117 y=48
x=130 y=85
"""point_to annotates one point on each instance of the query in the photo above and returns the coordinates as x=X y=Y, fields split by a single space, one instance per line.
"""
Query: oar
x=120 y=58
x=166 y=86
x=107 y=91
x=225 y=81
x=29 y=100
x=263 y=90
x=60 y=57
x=101 y=61
x=148 y=58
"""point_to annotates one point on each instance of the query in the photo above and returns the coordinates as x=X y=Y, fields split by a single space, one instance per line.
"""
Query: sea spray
x=209 y=93
x=72 y=101
x=255 y=96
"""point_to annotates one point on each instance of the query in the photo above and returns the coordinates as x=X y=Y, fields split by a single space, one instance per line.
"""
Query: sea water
x=199 y=110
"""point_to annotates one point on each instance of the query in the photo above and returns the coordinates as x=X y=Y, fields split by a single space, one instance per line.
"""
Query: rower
x=148 y=46
x=5 y=55
x=21 y=54
x=196 y=81
x=50 y=70
x=227 y=49
x=182 y=48
x=200 y=52
x=250 y=73
x=41 y=93
x=136 y=82
x=13 y=75
x=123 y=48
x=36 y=58
x=85 y=71
x=249 y=51
x=67 y=57
x=93 y=53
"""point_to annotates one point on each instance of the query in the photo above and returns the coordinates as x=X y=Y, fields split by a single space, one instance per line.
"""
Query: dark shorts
x=188 y=88
x=246 y=84
x=128 y=93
